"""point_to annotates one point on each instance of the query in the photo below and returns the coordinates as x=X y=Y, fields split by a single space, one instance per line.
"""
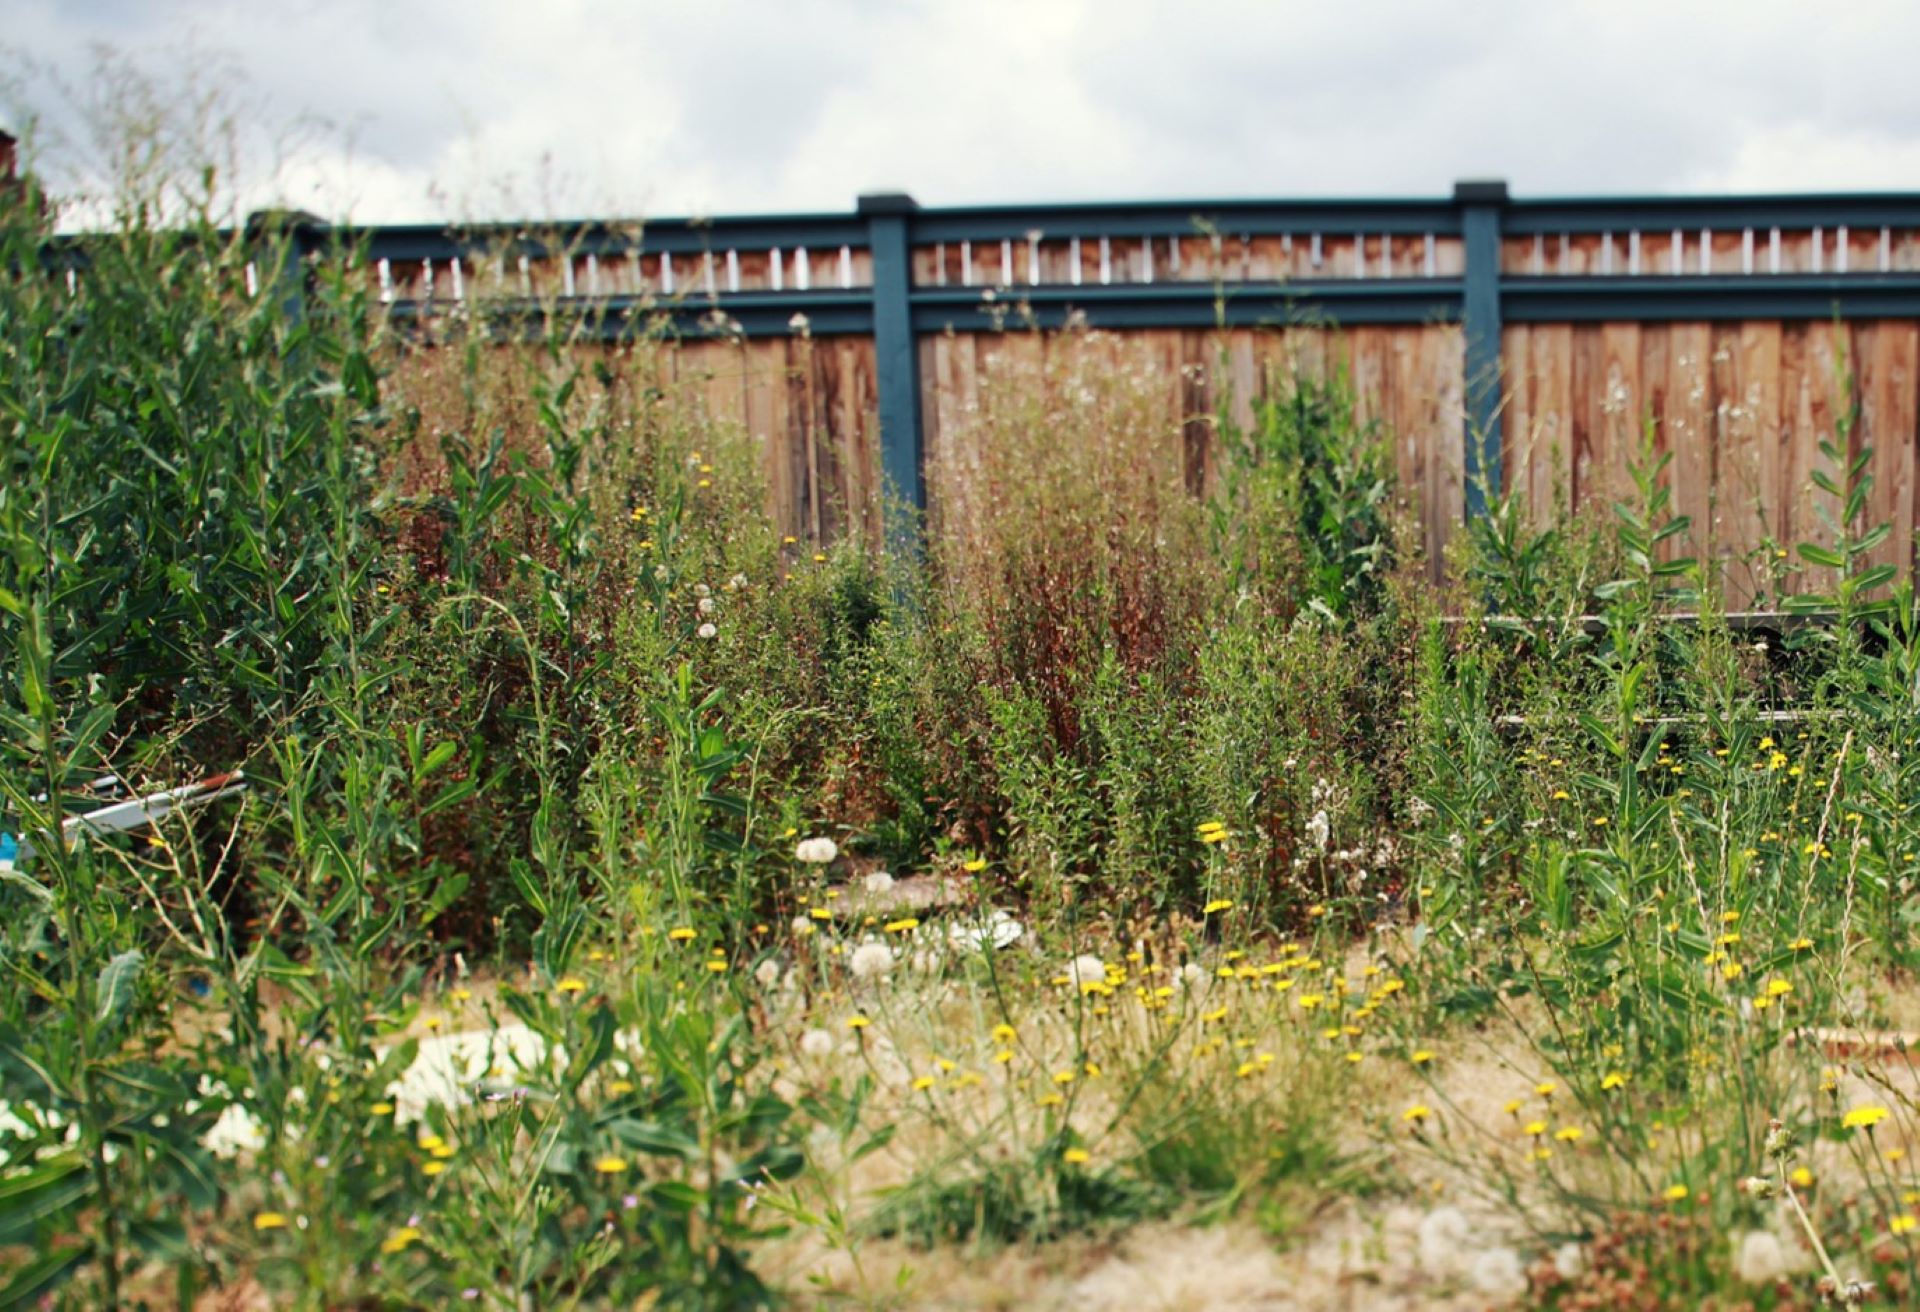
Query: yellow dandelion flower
x=1676 y=1193
x=1534 y=1128
x=1613 y=1080
x=382 y=1109
x=1902 y=1224
x=1076 y=1156
x=1801 y=1177
x=681 y=934
x=1420 y=1057
x=924 y=1083
x=1417 y=1113
x=974 y=866
x=1064 y=1077
x=1777 y=987
x=400 y=1239
x=269 y=1221
x=1864 y=1117
x=1219 y=904
x=1003 y=1033
x=572 y=984
x=1569 y=1134
x=432 y=1167
x=858 y=1022
x=610 y=1165
x=903 y=924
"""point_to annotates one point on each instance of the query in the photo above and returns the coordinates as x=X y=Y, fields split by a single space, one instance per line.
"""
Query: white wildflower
x=816 y=1043
x=1319 y=829
x=816 y=851
x=878 y=882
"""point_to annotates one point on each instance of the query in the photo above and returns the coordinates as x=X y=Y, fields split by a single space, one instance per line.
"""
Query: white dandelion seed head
x=878 y=882
x=702 y=590
x=816 y=851
x=1570 y=1261
x=1759 y=1258
x=1441 y=1235
x=707 y=631
x=816 y=1043
x=1497 y=1273
x=706 y=605
x=1086 y=969
x=767 y=973
x=871 y=961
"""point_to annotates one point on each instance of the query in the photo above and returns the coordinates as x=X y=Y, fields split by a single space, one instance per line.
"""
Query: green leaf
x=114 y=988
x=1817 y=555
x=41 y=1194
x=36 y=1280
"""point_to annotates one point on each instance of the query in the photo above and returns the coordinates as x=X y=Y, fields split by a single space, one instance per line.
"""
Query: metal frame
x=895 y=312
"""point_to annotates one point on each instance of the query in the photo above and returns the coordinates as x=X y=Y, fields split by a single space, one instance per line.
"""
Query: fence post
x=1480 y=204
x=896 y=363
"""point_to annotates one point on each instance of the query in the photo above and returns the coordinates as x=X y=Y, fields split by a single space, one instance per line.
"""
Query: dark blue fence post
x=896 y=364
x=1480 y=205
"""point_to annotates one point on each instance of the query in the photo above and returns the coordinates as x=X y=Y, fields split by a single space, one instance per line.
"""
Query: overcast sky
x=413 y=110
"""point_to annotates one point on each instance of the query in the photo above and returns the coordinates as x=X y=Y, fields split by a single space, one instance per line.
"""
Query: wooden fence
x=1505 y=342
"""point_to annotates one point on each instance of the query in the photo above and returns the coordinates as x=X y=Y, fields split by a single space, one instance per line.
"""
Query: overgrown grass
x=1270 y=880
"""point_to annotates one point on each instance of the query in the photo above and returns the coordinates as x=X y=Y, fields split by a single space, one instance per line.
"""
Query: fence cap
x=1480 y=191
x=887 y=202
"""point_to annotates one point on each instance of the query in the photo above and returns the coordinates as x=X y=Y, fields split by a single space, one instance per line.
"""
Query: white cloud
x=498 y=107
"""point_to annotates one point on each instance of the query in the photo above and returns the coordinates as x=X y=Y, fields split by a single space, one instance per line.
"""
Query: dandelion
x=816 y=851
x=1420 y=1057
x=1801 y=945
x=1417 y=1113
x=610 y=1165
x=1064 y=1077
x=680 y=935
x=902 y=925
x=382 y=1109
x=1219 y=904
x=858 y=1022
x=974 y=866
x=1569 y=1134
x=1676 y=1193
x=1903 y=1224
x=269 y=1221
x=871 y=961
x=1802 y=1178
x=1086 y=969
x=1545 y=1089
x=572 y=984
x=708 y=630
x=432 y=1167
x=924 y=1083
x=1864 y=1117
x=1076 y=1156
x=1613 y=1080
x=718 y=967
x=816 y=1043
x=1777 y=987
x=400 y=1240
x=1534 y=1129
x=1003 y=1033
